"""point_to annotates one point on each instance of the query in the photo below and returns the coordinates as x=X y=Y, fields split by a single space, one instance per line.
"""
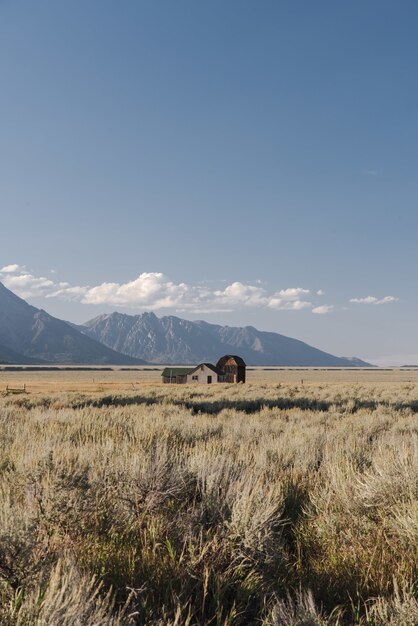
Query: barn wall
x=234 y=373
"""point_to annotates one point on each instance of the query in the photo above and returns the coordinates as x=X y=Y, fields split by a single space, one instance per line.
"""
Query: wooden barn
x=233 y=368
x=229 y=369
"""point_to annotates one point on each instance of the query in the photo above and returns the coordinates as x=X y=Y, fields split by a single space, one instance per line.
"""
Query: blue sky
x=224 y=160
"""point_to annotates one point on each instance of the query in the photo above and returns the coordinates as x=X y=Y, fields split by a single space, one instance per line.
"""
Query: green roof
x=169 y=372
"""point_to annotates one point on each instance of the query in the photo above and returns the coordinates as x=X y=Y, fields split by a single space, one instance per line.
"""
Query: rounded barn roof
x=238 y=360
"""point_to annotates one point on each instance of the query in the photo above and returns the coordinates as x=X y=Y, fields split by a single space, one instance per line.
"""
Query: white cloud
x=387 y=299
x=366 y=300
x=26 y=285
x=374 y=300
x=11 y=269
x=281 y=304
x=320 y=292
x=240 y=294
x=293 y=293
x=290 y=299
x=150 y=290
x=153 y=291
x=323 y=309
x=370 y=172
x=64 y=291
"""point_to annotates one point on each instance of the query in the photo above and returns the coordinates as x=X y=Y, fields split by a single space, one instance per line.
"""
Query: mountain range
x=172 y=340
x=30 y=335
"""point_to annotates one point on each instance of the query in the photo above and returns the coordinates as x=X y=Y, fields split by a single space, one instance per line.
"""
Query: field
x=118 y=379
x=291 y=500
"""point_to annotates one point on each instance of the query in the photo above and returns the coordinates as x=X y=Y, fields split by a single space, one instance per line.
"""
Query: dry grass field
x=119 y=379
x=275 y=503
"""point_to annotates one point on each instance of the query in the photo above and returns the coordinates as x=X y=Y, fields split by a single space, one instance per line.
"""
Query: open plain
x=291 y=500
x=100 y=379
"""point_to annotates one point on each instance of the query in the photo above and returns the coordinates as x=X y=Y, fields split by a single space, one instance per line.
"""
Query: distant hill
x=30 y=335
x=171 y=339
x=10 y=356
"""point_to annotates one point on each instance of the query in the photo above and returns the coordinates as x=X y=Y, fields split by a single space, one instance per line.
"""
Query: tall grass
x=268 y=505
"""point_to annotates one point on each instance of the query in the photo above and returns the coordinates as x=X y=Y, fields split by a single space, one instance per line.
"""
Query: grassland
x=272 y=503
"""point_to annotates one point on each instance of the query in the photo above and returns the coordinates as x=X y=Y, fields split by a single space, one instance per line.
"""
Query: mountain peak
x=30 y=334
x=173 y=340
x=149 y=314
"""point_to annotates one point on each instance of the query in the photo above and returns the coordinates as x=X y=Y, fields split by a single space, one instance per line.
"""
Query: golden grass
x=269 y=503
x=121 y=380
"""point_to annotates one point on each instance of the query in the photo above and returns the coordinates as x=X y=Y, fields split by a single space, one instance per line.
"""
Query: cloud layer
x=323 y=309
x=153 y=291
x=374 y=300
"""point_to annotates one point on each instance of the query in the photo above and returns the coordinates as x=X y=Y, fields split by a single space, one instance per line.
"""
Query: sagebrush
x=257 y=504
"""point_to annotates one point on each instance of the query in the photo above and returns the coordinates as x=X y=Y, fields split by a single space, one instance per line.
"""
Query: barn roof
x=238 y=360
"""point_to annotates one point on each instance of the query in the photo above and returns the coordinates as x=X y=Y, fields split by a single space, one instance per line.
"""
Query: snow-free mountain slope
x=171 y=339
x=36 y=336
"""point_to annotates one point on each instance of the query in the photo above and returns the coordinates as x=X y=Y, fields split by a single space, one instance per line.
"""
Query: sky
x=244 y=162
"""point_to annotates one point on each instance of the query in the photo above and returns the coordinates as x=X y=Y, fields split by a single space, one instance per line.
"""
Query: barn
x=233 y=367
x=229 y=369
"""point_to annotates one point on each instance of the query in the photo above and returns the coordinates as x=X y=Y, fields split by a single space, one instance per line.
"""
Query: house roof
x=177 y=371
x=169 y=372
x=212 y=367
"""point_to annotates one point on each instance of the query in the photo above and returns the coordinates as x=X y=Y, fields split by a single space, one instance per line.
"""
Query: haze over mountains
x=174 y=340
x=30 y=335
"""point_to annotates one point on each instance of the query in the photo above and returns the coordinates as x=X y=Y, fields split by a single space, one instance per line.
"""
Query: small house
x=229 y=369
x=176 y=375
x=205 y=373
